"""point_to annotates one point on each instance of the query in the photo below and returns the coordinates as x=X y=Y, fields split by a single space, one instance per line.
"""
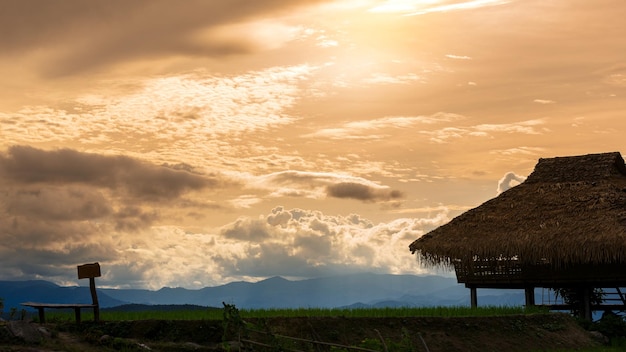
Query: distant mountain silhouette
x=355 y=290
x=16 y=292
x=133 y=307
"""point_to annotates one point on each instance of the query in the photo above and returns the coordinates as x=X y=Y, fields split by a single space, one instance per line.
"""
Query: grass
x=217 y=314
x=460 y=311
x=614 y=347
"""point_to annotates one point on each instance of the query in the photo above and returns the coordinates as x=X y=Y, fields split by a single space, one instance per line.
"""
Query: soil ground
x=541 y=332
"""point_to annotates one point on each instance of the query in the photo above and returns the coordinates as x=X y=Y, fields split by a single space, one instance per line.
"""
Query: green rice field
x=509 y=322
x=217 y=313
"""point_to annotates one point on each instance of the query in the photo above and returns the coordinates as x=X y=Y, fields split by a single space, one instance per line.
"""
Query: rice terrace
x=398 y=329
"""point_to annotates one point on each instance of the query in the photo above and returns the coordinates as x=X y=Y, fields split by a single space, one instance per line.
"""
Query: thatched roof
x=570 y=211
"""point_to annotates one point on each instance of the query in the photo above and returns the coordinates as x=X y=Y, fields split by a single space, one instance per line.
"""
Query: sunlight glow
x=395 y=6
x=210 y=143
x=420 y=7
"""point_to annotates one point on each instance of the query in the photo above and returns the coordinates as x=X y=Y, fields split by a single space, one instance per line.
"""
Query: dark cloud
x=33 y=262
x=28 y=165
x=63 y=207
x=36 y=242
x=47 y=258
x=132 y=218
x=302 y=183
x=57 y=204
x=361 y=192
x=48 y=196
x=18 y=231
x=93 y=33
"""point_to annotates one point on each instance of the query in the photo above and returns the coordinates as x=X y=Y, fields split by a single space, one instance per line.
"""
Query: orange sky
x=234 y=140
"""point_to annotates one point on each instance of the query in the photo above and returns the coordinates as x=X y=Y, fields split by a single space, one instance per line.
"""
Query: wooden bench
x=85 y=271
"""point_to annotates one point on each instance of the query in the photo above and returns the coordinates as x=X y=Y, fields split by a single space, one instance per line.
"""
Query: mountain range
x=354 y=290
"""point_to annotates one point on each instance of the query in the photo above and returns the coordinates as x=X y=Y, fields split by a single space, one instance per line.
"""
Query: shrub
x=610 y=325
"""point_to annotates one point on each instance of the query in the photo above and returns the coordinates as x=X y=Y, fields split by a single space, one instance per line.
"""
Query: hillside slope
x=541 y=332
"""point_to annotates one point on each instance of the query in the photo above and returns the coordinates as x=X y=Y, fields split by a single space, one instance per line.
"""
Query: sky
x=199 y=143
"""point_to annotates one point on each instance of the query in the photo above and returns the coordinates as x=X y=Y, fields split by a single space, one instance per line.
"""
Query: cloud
x=383 y=78
x=361 y=192
x=57 y=203
x=248 y=230
x=525 y=127
x=79 y=35
x=28 y=165
x=616 y=79
x=485 y=130
x=519 y=151
x=453 y=5
x=509 y=180
x=415 y=7
x=304 y=243
x=458 y=57
x=252 y=36
x=364 y=129
x=320 y=184
x=170 y=118
x=62 y=207
x=288 y=242
x=245 y=201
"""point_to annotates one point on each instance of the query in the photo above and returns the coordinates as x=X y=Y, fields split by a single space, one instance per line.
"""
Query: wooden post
x=94 y=299
x=91 y=271
x=587 y=303
x=77 y=314
x=473 y=297
x=529 y=293
x=42 y=315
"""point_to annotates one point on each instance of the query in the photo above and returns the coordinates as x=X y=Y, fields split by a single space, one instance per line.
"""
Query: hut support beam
x=587 y=303
x=473 y=297
x=529 y=293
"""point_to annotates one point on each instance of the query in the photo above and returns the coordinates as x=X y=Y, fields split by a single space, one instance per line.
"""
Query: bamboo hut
x=563 y=227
